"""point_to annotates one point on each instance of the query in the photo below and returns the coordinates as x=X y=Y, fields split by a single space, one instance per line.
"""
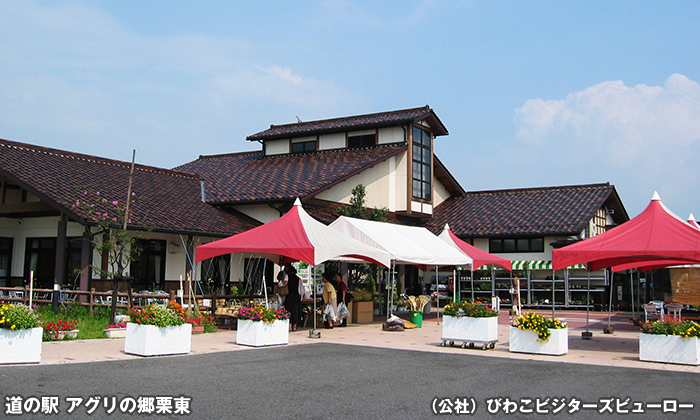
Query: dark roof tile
x=358 y=122
x=247 y=177
x=532 y=211
x=168 y=200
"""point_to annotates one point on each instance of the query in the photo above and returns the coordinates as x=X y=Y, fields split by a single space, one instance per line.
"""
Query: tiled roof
x=358 y=122
x=168 y=200
x=248 y=176
x=533 y=211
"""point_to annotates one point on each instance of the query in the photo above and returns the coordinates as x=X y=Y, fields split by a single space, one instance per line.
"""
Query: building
x=320 y=162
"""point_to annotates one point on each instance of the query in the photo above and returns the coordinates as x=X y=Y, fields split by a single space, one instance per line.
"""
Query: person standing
x=329 y=298
x=341 y=290
x=292 y=302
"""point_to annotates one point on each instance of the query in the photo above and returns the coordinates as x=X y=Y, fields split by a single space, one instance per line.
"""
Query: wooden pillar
x=60 y=266
x=85 y=261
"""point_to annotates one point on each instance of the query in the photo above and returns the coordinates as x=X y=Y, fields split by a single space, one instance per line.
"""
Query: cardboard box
x=362 y=312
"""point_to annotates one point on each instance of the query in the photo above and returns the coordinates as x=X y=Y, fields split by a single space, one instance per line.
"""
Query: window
x=304 y=146
x=422 y=161
x=148 y=269
x=366 y=140
x=219 y=270
x=5 y=259
x=515 y=245
x=40 y=258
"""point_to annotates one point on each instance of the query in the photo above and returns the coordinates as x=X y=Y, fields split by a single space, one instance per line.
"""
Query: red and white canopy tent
x=655 y=237
x=296 y=236
x=479 y=257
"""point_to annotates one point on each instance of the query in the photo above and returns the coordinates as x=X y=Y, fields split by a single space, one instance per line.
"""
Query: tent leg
x=587 y=335
x=315 y=333
x=609 y=329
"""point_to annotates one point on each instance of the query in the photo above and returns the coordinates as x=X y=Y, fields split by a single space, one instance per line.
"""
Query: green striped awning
x=578 y=267
x=519 y=265
x=540 y=265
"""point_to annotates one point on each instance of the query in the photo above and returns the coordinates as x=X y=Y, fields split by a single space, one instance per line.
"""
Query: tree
x=357 y=208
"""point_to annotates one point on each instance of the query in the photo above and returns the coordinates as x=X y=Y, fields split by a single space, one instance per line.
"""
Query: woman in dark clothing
x=293 y=301
x=342 y=290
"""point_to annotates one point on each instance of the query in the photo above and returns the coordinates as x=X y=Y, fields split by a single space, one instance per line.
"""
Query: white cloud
x=643 y=137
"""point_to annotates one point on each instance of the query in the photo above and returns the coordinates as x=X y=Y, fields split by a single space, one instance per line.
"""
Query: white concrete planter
x=669 y=349
x=115 y=332
x=149 y=340
x=259 y=333
x=63 y=335
x=470 y=329
x=525 y=341
x=21 y=346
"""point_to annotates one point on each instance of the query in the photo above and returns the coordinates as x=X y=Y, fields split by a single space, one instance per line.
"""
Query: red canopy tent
x=480 y=257
x=296 y=236
x=654 y=265
x=655 y=235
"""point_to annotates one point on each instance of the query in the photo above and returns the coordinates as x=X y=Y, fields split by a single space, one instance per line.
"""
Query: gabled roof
x=248 y=177
x=564 y=211
x=354 y=123
x=168 y=201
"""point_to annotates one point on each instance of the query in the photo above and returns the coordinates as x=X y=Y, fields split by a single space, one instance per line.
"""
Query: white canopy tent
x=406 y=244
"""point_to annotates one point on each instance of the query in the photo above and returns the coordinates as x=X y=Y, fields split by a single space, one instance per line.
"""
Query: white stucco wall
x=384 y=185
x=277 y=147
x=260 y=212
x=391 y=135
x=331 y=141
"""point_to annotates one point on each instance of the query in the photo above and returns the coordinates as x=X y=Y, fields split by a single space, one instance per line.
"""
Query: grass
x=90 y=326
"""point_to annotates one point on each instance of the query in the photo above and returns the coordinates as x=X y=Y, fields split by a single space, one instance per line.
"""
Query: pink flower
x=97 y=193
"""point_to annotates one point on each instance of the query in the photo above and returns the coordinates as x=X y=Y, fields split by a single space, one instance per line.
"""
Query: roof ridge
x=89 y=158
x=533 y=189
x=225 y=155
x=303 y=123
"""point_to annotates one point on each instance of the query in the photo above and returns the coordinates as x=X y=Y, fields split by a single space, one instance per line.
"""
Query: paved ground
x=619 y=349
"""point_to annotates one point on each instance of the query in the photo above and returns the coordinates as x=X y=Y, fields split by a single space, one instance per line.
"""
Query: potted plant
x=470 y=323
x=20 y=334
x=158 y=330
x=60 y=330
x=202 y=323
x=670 y=341
x=117 y=330
x=259 y=326
x=532 y=333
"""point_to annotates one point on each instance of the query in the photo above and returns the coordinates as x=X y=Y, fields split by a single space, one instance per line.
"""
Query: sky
x=533 y=93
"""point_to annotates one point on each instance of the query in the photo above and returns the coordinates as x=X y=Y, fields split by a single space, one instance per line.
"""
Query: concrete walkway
x=618 y=349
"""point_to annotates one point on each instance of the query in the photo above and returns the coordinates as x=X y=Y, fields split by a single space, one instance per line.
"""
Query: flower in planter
x=208 y=321
x=539 y=324
x=260 y=313
x=117 y=325
x=672 y=326
x=466 y=308
x=52 y=330
x=158 y=315
x=17 y=317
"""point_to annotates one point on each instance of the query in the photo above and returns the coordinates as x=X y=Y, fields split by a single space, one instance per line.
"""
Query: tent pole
x=471 y=272
x=632 y=293
x=454 y=286
x=390 y=299
x=437 y=294
x=610 y=297
x=264 y=283
x=586 y=335
x=554 y=276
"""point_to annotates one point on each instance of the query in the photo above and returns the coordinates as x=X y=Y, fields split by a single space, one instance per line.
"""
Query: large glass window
x=422 y=161
x=148 y=269
x=40 y=258
x=218 y=269
x=514 y=245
